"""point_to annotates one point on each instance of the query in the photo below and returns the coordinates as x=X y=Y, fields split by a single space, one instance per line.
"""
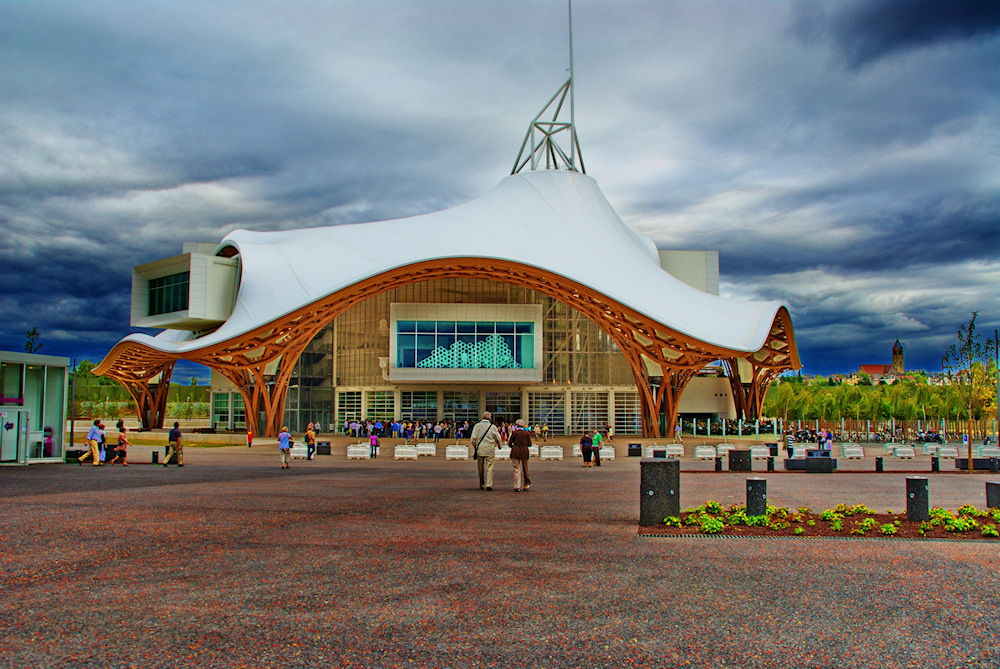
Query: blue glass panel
x=505 y=328
x=406 y=326
x=525 y=327
x=465 y=327
x=486 y=328
x=445 y=326
x=425 y=326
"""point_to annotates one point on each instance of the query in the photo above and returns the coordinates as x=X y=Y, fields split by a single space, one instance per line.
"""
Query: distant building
x=886 y=373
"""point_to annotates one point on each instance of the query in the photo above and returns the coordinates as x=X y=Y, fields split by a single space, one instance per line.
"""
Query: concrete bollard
x=878 y=464
x=756 y=497
x=917 y=499
x=659 y=490
x=993 y=494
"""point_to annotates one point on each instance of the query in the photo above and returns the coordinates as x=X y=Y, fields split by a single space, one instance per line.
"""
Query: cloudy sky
x=843 y=157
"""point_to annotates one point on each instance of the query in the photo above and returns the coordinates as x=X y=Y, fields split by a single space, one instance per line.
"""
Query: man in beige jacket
x=485 y=441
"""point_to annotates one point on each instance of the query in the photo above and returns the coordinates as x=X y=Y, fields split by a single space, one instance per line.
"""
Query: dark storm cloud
x=868 y=30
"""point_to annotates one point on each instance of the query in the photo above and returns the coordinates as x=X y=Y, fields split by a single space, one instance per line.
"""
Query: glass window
x=220 y=411
x=419 y=405
x=55 y=378
x=239 y=412
x=406 y=326
x=381 y=405
x=628 y=413
x=168 y=294
x=478 y=345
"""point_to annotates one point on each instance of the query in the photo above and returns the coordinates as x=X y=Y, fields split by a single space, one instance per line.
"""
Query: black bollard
x=756 y=497
x=659 y=490
x=770 y=464
x=993 y=494
x=917 y=506
x=718 y=464
x=993 y=465
x=156 y=457
x=878 y=464
x=935 y=463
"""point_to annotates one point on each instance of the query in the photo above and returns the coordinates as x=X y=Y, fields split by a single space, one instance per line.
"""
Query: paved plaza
x=233 y=562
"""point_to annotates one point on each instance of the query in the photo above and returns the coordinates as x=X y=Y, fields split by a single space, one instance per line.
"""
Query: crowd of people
x=431 y=430
x=98 y=450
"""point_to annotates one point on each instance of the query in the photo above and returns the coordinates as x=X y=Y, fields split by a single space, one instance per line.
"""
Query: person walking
x=485 y=440
x=586 y=449
x=174 y=446
x=121 y=450
x=310 y=439
x=285 y=448
x=596 y=445
x=519 y=443
x=93 y=442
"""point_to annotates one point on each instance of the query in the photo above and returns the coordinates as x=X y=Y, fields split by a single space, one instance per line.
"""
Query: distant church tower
x=897 y=358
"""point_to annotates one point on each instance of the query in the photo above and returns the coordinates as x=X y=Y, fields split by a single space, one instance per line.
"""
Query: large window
x=419 y=405
x=381 y=405
x=220 y=411
x=168 y=294
x=548 y=409
x=465 y=344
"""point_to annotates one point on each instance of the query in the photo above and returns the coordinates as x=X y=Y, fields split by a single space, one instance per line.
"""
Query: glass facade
x=168 y=294
x=628 y=413
x=33 y=400
x=589 y=411
x=380 y=405
x=346 y=369
x=465 y=345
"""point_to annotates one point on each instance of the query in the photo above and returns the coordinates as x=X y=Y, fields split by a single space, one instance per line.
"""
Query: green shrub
x=799 y=530
x=713 y=507
x=804 y=510
x=829 y=515
x=888 y=528
x=926 y=526
x=672 y=521
x=858 y=530
x=867 y=524
x=837 y=524
x=737 y=518
x=960 y=525
x=778 y=525
x=990 y=530
x=693 y=519
x=756 y=521
x=969 y=510
x=710 y=525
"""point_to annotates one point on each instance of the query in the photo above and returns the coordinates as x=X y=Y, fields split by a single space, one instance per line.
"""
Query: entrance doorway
x=13 y=435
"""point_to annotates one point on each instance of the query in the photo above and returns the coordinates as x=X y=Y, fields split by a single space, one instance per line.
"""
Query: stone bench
x=300 y=452
x=903 y=452
x=358 y=451
x=722 y=450
x=502 y=453
x=426 y=449
x=532 y=451
x=947 y=452
x=607 y=453
x=456 y=452
x=704 y=452
x=760 y=452
x=989 y=452
x=852 y=451
x=405 y=452
x=551 y=453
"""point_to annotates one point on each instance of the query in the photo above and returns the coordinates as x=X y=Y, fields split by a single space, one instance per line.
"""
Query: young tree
x=966 y=359
x=31 y=343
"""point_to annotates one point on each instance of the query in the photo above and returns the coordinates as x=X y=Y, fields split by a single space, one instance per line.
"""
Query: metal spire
x=543 y=134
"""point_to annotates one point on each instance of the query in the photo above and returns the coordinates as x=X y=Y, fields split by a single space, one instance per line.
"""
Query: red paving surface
x=233 y=562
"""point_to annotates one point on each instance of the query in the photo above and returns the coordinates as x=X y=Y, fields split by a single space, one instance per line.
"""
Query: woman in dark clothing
x=587 y=448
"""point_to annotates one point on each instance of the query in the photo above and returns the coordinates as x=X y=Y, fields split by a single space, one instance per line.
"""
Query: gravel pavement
x=233 y=562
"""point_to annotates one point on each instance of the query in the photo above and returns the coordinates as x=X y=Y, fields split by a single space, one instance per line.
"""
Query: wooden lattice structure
x=260 y=362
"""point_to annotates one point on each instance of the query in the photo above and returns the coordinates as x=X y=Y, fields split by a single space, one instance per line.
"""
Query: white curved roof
x=558 y=221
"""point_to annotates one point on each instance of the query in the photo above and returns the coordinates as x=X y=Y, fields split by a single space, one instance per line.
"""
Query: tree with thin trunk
x=963 y=359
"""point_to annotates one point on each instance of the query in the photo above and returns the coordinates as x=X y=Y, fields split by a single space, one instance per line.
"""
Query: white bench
x=704 y=452
x=607 y=453
x=405 y=452
x=852 y=451
x=947 y=451
x=760 y=452
x=299 y=451
x=427 y=449
x=501 y=453
x=989 y=452
x=551 y=453
x=675 y=450
x=930 y=448
x=722 y=450
x=903 y=452
x=576 y=451
x=456 y=452
x=532 y=450
x=358 y=451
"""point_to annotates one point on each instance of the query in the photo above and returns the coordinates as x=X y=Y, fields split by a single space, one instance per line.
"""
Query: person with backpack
x=485 y=440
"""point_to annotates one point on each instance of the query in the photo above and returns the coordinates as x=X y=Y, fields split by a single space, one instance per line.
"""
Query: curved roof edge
x=555 y=221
